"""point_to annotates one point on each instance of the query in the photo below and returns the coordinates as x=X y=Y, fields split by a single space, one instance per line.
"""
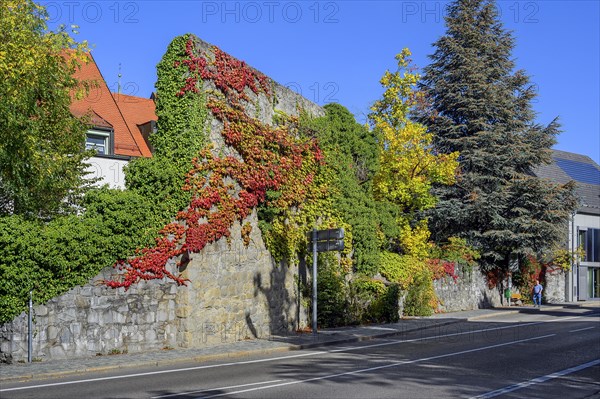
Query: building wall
x=555 y=289
x=109 y=170
x=577 y=280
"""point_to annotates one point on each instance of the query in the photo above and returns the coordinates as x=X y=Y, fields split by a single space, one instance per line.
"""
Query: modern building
x=583 y=282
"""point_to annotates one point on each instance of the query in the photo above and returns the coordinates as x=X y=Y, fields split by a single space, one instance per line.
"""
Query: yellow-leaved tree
x=408 y=165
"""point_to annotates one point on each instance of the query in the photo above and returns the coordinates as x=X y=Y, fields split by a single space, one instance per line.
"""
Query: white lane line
x=538 y=380
x=274 y=359
x=216 y=389
x=395 y=364
x=396 y=342
x=117 y=377
x=582 y=329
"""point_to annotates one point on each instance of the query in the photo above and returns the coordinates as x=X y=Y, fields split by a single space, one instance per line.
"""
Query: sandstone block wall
x=94 y=319
x=555 y=289
x=236 y=293
x=468 y=292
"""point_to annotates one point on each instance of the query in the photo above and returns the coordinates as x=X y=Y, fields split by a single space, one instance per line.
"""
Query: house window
x=98 y=140
x=589 y=240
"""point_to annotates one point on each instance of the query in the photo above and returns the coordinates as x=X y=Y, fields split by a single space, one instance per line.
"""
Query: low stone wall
x=93 y=319
x=236 y=293
x=555 y=289
x=468 y=292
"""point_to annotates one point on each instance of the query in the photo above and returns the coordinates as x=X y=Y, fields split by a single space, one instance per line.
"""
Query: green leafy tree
x=351 y=152
x=479 y=107
x=41 y=143
x=50 y=257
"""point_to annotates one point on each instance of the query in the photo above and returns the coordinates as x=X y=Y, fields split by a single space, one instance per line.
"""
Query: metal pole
x=574 y=262
x=509 y=289
x=30 y=329
x=314 y=298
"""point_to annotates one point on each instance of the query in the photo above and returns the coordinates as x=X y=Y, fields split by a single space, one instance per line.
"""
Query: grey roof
x=568 y=166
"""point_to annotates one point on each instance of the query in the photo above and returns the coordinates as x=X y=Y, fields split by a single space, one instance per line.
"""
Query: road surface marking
x=360 y=371
x=118 y=377
x=216 y=389
x=582 y=329
x=382 y=328
x=538 y=380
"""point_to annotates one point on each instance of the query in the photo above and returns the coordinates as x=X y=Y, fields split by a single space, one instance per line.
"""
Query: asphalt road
x=537 y=354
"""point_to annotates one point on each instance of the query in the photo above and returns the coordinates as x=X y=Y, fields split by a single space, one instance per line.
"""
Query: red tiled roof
x=96 y=120
x=101 y=106
x=136 y=111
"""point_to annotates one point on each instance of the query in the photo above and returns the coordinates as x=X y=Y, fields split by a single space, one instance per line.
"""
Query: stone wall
x=93 y=319
x=235 y=293
x=555 y=289
x=469 y=291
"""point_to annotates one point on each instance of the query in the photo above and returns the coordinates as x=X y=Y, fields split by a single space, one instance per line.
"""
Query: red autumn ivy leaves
x=226 y=189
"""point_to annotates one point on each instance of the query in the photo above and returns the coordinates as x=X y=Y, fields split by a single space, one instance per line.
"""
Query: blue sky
x=336 y=51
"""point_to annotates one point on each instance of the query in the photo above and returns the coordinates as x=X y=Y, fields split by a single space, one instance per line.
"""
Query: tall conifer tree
x=479 y=107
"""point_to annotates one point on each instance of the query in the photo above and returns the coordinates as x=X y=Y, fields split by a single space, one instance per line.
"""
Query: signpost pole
x=30 y=329
x=314 y=296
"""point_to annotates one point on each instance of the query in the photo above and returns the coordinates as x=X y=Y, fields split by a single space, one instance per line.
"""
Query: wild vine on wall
x=226 y=189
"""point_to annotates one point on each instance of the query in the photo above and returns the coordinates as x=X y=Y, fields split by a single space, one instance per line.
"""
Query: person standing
x=537 y=294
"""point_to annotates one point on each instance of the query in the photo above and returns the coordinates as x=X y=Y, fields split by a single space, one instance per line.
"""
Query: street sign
x=327 y=235
x=334 y=245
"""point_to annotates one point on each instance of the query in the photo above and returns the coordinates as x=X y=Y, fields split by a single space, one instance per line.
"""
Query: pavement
x=296 y=341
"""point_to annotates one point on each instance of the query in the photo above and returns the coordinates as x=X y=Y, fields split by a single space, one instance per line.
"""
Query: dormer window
x=98 y=140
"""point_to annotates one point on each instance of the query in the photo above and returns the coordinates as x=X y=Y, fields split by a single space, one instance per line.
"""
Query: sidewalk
x=325 y=337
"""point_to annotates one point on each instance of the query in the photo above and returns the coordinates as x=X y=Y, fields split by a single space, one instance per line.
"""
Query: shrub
x=420 y=298
x=50 y=258
x=332 y=293
x=372 y=301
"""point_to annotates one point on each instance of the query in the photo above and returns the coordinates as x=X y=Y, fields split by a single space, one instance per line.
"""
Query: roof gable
x=100 y=105
x=137 y=111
